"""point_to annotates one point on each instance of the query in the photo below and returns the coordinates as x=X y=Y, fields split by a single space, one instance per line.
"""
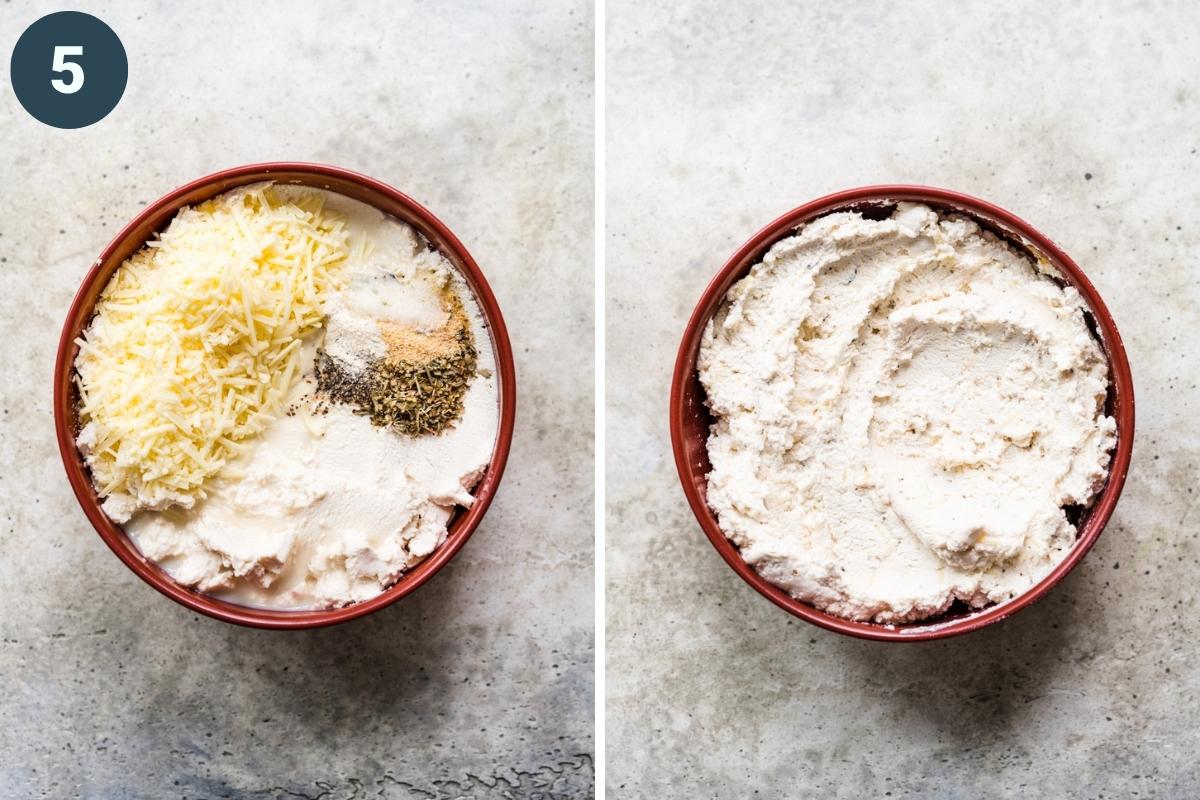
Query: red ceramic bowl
x=156 y=217
x=690 y=419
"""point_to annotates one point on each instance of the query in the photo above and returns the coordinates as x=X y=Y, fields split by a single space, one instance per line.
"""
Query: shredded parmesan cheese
x=196 y=341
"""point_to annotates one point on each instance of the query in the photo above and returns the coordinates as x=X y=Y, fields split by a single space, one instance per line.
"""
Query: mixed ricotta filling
x=906 y=410
x=226 y=451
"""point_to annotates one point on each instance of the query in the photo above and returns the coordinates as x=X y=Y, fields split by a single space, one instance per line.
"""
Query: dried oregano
x=411 y=397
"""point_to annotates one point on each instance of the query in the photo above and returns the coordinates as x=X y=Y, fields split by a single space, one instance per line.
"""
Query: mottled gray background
x=480 y=684
x=1084 y=118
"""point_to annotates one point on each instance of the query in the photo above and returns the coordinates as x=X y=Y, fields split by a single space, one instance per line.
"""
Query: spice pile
x=417 y=388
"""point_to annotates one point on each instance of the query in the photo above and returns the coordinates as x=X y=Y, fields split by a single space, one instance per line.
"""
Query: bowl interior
x=691 y=421
x=154 y=219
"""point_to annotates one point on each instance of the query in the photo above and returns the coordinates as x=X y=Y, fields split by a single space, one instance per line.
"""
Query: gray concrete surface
x=1082 y=118
x=480 y=684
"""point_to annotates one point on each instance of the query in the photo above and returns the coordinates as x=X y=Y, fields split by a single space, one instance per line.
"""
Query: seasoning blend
x=417 y=386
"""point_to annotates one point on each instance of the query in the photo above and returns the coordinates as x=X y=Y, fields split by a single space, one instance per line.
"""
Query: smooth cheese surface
x=196 y=341
x=905 y=409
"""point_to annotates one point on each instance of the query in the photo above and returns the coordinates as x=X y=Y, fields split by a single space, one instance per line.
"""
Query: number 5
x=62 y=65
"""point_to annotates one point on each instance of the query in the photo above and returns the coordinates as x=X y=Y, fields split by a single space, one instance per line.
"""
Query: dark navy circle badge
x=69 y=69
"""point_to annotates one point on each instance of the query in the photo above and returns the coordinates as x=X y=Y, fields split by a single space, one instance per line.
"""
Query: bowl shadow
x=394 y=663
x=967 y=688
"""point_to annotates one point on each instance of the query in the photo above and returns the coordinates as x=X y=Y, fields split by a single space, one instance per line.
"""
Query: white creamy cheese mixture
x=904 y=410
x=324 y=508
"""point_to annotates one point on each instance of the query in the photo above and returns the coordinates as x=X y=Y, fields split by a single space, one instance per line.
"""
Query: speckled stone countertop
x=478 y=685
x=1081 y=119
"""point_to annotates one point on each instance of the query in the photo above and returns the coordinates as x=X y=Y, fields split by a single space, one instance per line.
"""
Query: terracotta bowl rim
x=462 y=526
x=684 y=378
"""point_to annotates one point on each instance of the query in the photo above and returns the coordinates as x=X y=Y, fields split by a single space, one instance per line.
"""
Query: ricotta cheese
x=905 y=411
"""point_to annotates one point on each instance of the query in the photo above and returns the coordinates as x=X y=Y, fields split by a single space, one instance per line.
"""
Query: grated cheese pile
x=196 y=341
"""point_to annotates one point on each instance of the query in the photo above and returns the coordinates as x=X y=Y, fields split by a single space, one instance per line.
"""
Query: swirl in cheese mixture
x=905 y=409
